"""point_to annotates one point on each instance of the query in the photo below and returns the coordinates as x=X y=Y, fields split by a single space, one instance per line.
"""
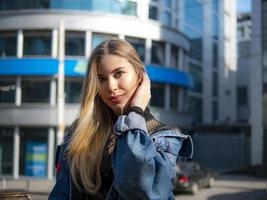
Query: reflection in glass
x=73 y=89
x=75 y=43
x=6 y=151
x=139 y=45
x=157 y=95
x=7 y=91
x=35 y=91
x=194 y=14
x=37 y=43
x=33 y=152
x=8 y=44
x=158 y=53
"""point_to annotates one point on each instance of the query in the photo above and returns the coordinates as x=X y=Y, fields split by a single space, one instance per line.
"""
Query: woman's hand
x=142 y=94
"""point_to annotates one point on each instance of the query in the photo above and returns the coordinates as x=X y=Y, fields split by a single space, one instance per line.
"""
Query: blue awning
x=77 y=67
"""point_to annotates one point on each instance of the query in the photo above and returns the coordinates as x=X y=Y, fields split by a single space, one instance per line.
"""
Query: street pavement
x=231 y=187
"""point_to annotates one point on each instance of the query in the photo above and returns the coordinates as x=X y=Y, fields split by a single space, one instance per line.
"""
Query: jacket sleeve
x=61 y=189
x=144 y=166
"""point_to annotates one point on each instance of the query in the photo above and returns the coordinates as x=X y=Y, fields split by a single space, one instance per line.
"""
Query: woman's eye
x=118 y=74
x=101 y=79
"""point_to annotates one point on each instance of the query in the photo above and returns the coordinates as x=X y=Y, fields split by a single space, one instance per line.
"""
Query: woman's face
x=118 y=82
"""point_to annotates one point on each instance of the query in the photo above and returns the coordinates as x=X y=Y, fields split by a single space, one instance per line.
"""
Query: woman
x=116 y=149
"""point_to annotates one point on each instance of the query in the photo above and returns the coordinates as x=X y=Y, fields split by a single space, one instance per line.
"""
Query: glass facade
x=194 y=13
x=139 y=45
x=167 y=20
x=196 y=72
x=153 y=12
x=195 y=107
x=242 y=96
x=35 y=91
x=214 y=110
x=196 y=39
x=215 y=61
x=215 y=84
x=8 y=44
x=121 y=7
x=174 y=56
x=158 y=53
x=158 y=95
x=33 y=152
x=7 y=90
x=73 y=90
x=74 y=43
x=6 y=151
x=174 y=97
x=37 y=43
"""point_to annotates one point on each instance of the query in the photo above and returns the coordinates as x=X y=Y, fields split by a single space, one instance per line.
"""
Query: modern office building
x=188 y=47
x=258 y=82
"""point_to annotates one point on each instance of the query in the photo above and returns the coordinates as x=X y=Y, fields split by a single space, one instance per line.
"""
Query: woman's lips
x=116 y=99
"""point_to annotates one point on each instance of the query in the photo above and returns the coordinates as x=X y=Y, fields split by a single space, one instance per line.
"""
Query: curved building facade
x=29 y=50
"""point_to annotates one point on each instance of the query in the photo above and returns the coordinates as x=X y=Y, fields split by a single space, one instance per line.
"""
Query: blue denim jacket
x=143 y=165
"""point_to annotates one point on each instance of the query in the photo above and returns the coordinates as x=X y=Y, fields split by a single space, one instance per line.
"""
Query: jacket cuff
x=128 y=122
x=187 y=147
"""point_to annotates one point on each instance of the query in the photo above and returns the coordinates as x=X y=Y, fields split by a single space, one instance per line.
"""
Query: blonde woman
x=116 y=149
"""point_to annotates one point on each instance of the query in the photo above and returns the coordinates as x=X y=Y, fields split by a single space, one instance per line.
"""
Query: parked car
x=190 y=177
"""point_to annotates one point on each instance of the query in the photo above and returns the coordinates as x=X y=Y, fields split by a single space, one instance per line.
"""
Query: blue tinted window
x=153 y=12
x=196 y=72
x=194 y=14
x=215 y=5
x=195 y=42
x=167 y=3
x=73 y=90
x=158 y=53
x=215 y=26
x=75 y=43
x=37 y=43
x=195 y=108
x=215 y=55
x=139 y=45
x=8 y=44
x=157 y=95
x=215 y=84
x=167 y=18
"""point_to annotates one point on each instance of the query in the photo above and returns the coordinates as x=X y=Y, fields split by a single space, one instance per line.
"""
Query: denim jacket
x=143 y=165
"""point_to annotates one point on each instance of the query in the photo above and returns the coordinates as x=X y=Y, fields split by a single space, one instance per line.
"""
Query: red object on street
x=183 y=179
x=58 y=168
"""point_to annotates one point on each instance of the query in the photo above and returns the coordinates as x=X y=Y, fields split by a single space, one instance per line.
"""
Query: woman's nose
x=112 y=85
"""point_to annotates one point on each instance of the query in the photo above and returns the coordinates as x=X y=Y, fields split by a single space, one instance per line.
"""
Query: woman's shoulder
x=69 y=132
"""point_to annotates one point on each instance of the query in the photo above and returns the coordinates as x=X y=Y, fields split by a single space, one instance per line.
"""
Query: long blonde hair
x=94 y=123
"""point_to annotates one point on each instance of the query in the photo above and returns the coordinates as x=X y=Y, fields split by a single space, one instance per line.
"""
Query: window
x=242 y=96
x=174 y=56
x=195 y=39
x=196 y=72
x=215 y=111
x=167 y=3
x=194 y=14
x=139 y=45
x=157 y=95
x=215 y=55
x=37 y=43
x=195 y=108
x=97 y=38
x=130 y=8
x=158 y=53
x=6 y=151
x=35 y=91
x=215 y=84
x=215 y=5
x=24 y=4
x=215 y=26
x=8 y=44
x=75 y=44
x=73 y=90
x=33 y=152
x=7 y=90
x=174 y=97
x=167 y=18
x=153 y=12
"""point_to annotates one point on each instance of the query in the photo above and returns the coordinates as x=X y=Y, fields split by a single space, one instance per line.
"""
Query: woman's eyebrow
x=115 y=70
